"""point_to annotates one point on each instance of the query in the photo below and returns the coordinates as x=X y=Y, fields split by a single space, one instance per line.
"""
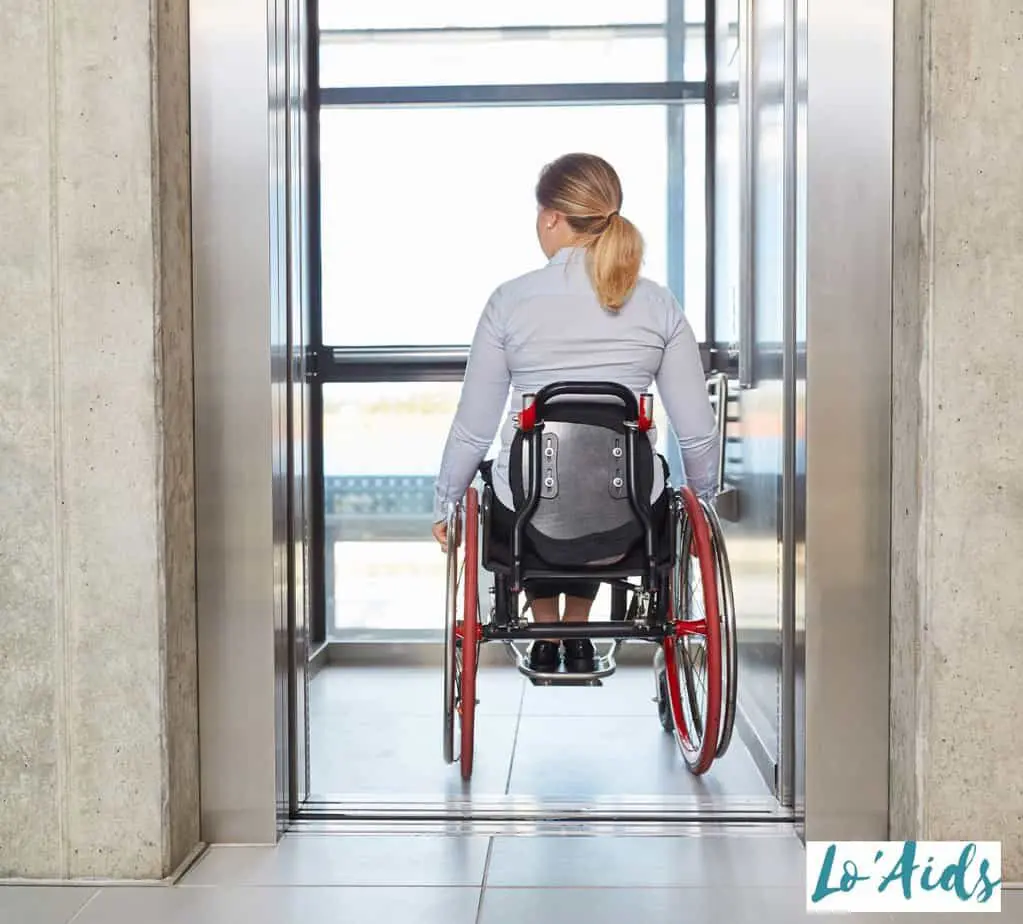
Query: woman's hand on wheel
x=440 y=533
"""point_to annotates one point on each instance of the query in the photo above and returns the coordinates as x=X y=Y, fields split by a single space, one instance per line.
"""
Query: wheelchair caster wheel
x=663 y=705
x=662 y=697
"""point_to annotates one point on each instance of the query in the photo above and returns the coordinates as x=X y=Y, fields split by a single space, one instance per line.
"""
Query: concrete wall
x=98 y=731
x=958 y=504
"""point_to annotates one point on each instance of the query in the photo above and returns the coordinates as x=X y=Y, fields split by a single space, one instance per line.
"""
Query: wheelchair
x=581 y=472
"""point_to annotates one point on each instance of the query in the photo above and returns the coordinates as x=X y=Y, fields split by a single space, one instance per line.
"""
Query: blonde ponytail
x=615 y=257
x=587 y=191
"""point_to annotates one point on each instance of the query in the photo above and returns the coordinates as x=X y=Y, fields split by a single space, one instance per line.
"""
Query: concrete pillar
x=98 y=728
x=957 y=587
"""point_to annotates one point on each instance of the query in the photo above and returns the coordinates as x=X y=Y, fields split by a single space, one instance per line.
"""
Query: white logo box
x=910 y=876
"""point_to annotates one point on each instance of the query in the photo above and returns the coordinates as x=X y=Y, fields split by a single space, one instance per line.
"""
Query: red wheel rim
x=470 y=630
x=699 y=756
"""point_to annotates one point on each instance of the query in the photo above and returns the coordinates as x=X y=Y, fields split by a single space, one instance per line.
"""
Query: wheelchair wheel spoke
x=694 y=718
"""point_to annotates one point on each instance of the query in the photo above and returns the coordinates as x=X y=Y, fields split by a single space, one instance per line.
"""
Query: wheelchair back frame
x=636 y=418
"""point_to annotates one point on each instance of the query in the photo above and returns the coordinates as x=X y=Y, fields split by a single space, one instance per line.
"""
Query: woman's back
x=553 y=328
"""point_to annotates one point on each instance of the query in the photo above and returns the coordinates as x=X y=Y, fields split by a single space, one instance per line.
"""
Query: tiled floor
x=700 y=876
x=376 y=732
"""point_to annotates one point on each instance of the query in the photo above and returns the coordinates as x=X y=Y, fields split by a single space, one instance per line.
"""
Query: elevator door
x=251 y=565
x=430 y=138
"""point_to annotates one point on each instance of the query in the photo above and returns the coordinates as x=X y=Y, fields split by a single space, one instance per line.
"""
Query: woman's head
x=579 y=198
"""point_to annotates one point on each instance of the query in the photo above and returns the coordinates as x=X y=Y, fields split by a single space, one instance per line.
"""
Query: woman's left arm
x=484 y=394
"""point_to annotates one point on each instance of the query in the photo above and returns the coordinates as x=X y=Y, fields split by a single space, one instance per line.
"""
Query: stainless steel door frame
x=241 y=451
x=242 y=337
x=790 y=355
x=848 y=416
x=300 y=486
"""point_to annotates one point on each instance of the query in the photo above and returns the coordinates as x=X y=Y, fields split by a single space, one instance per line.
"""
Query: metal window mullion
x=675 y=123
x=321 y=592
x=676 y=192
x=710 y=168
x=513 y=94
x=747 y=208
x=410 y=364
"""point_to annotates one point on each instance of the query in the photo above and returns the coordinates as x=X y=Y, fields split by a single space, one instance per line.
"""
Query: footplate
x=604 y=666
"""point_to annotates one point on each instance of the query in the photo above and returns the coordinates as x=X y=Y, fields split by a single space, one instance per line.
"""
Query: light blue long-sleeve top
x=548 y=326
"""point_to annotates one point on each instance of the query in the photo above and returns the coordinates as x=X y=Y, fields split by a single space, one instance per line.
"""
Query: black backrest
x=584 y=515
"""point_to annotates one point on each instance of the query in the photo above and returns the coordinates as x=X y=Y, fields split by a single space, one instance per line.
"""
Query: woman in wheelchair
x=586 y=316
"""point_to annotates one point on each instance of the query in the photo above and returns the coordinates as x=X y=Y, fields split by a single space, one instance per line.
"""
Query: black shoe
x=544 y=656
x=580 y=657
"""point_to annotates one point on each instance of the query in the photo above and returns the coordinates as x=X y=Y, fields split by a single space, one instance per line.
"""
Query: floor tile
x=306 y=860
x=1012 y=913
x=405 y=691
x=628 y=692
x=282 y=906
x=598 y=906
x=614 y=755
x=688 y=861
x=401 y=757
x=788 y=906
x=376 y=734
x=696 y=905
x=42 y=904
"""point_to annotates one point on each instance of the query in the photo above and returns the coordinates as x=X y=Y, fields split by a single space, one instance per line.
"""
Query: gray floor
x=707 y=876
x=375 y=733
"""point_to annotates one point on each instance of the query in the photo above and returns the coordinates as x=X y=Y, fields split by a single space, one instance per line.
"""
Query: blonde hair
x=586 y=189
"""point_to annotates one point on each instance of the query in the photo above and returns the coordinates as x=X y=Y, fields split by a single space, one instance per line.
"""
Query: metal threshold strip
x=520 y=811
x=771 y=827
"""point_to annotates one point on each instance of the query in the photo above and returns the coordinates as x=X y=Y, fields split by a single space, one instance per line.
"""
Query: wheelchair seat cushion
x=633 y=561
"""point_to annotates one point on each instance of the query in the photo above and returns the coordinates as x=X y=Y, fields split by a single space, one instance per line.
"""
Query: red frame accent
x=470 y=629
x=710 y=628
x=646 y=418
x=527 y=418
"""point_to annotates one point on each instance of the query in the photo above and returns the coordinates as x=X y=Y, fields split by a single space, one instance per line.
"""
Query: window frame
x=333 y=363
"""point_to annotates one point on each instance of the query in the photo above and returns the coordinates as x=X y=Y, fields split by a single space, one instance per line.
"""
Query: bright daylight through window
x=434 y=121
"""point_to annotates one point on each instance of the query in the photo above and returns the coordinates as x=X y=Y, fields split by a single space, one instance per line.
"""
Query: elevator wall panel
x=798 y=702
x=299 y=301
x=239 y=414
x=848 y=416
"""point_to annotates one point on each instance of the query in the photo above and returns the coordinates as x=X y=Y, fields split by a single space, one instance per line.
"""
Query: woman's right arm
x=682 y=386
x=480 y=408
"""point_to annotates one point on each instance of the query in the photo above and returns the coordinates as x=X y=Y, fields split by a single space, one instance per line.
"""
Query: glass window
x=426 y=211
x=382 y=445
x=727 y=262
x=439 y=14
x=410 y=43
x=444 y=59
x=693 y=258
x=727 y=41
